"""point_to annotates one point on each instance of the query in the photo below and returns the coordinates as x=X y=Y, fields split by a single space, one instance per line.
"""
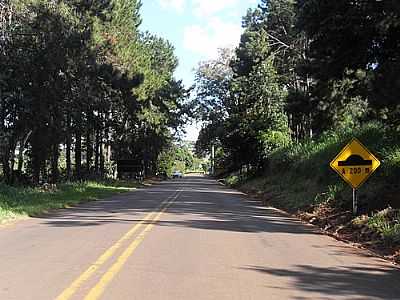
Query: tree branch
x=277 y=40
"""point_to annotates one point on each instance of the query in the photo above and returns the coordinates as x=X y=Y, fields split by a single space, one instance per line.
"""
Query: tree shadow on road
x=218 y=208
x=204 y=203
x=349 y=282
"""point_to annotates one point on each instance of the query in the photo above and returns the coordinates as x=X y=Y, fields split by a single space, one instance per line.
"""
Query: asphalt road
x=184 y=239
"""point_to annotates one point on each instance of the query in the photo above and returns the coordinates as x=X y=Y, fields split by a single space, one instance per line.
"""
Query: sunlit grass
x=301 y=175
x=232 y=180
x=20 y=202
x=387 y=222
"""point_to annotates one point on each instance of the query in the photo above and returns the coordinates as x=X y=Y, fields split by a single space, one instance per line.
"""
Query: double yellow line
x=95 y=293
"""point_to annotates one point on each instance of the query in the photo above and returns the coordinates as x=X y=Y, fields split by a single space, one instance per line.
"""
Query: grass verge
x=20 y=202
x=300 y=181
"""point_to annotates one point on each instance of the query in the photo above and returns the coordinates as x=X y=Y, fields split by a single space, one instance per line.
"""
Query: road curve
x=188 y=238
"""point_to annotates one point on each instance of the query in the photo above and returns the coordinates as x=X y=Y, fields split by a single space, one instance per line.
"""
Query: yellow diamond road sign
x=355 y=163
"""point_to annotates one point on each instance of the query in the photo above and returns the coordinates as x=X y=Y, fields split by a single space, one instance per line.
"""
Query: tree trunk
x=89 y=151
x=101 y=147
x=107 y=147
x=88 y=142
x=78 y=155
x=78 y=146
x=22 y=147
x=12 y=162
x=97 y=152
x=45 y=175
x=6 y=167
x=36 y=157
x=68 y=156
x=55 y=174
x=68 y=142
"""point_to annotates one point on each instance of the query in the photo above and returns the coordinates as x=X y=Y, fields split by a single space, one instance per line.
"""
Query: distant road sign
x=129 y=166
x=355 y=163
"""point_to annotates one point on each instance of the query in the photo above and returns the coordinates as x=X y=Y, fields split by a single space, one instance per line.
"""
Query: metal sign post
x=355 y=204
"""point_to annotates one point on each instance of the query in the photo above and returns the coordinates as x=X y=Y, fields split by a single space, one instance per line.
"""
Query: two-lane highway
x=183 y=239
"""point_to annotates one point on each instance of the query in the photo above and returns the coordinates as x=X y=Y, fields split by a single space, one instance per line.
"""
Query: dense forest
x=307 y=78
x=80 y=87
x=303 y=69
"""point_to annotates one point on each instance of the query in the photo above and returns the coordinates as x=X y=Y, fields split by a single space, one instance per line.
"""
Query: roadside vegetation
x=179 y=157
x=82 y=86
x=300 y=181
x=20 y=202
x=306 y=78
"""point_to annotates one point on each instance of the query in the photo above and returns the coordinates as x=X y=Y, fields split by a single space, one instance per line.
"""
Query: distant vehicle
x=177 y=174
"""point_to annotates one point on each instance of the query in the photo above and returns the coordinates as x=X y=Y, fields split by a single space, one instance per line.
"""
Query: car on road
x=177 y=174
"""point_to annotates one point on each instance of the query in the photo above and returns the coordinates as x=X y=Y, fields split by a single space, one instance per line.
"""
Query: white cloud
x=207 y=40
x=177 y=5
x=204 y=8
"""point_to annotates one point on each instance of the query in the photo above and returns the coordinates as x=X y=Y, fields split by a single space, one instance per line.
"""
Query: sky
x=197 y=29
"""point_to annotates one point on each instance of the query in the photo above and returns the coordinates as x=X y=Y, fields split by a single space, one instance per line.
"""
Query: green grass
x=387 y=222
x=302 y=171
x=20 y=202
x=299 y=177
x=232 y=180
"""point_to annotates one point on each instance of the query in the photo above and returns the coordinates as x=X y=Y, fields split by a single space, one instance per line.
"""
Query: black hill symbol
x=355 y=160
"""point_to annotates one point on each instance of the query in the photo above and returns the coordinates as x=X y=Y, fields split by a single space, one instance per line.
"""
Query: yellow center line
x=77 y=283
x=99 y=288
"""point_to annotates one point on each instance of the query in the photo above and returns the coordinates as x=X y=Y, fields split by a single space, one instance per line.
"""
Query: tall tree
x=79 y=80
x=356 y=41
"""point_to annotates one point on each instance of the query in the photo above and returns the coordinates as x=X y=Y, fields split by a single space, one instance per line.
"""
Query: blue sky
x=196 y=28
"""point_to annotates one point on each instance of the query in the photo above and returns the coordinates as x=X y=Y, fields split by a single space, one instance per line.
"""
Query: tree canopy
x=302 y=68
x=82 y=86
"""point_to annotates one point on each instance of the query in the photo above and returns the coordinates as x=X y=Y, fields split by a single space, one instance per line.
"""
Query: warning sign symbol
x=355 y=163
